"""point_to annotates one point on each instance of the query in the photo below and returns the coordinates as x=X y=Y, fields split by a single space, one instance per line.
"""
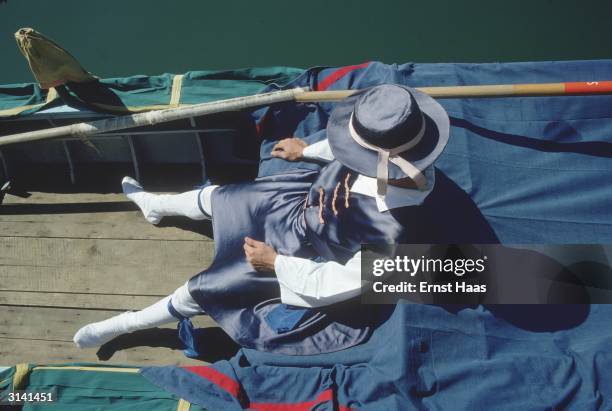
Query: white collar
x=396 y=197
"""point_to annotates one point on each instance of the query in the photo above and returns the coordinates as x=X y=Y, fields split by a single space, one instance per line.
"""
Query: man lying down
x=286 y=271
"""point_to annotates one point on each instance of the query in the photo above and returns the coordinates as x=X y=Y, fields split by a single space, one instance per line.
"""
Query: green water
x=126 y=37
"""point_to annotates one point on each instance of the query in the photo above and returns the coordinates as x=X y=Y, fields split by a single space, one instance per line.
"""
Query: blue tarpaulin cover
x=529 y=170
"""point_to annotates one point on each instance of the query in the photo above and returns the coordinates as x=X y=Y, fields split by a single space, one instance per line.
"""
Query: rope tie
x=347 y=190
x=321 y=205
x=334 y=201
x=334 y=209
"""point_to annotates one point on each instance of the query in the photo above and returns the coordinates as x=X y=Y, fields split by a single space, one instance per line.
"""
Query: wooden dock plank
x=70 y=252
x=119 y=280
x=21 y=350
x=43 y=335
x=85 y=216
x=56 y=198
x=110 y=302
x=102 y=226
x=57 y=324
x=139 y=267
x=70 y=259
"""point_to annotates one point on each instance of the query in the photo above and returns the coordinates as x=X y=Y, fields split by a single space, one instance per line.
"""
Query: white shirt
x=305 y=283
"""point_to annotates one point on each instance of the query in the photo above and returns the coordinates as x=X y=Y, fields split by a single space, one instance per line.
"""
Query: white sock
x=96 y=334
x=156 y=206
x=183 y=302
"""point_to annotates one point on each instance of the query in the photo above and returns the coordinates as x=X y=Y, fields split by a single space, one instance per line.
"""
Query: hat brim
x=364 y=161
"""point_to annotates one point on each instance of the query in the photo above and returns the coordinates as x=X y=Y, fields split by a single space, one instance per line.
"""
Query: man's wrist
x=276 y=261
x=306 y=152
x=279 y=263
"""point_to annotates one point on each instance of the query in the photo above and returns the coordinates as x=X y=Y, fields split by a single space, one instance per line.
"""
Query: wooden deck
x=70 y=259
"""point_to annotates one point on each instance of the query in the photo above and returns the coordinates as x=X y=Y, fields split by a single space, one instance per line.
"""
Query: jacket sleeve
x=320 y=151
x=306 y=283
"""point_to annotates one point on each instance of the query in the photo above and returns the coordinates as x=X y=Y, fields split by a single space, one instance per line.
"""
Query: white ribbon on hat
x=392 y=154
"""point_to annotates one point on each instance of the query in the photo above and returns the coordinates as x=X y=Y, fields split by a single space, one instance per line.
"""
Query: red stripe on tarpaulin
x=322 y=86
x=259 y=126
x=217 y=378
x=588 y=87
x=233 y=387
x=337 y=75
x=325 y=396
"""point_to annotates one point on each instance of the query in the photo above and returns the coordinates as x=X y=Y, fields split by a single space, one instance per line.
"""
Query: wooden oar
x=493 y=90
x=83 y=130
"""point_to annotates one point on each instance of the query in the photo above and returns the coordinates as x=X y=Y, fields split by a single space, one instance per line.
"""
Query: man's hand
x=290 y=149
x=260 y=255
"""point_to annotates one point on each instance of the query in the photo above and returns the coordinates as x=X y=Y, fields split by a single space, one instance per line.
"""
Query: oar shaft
x=495 y=90
x=299 y=95
x=152 y=117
